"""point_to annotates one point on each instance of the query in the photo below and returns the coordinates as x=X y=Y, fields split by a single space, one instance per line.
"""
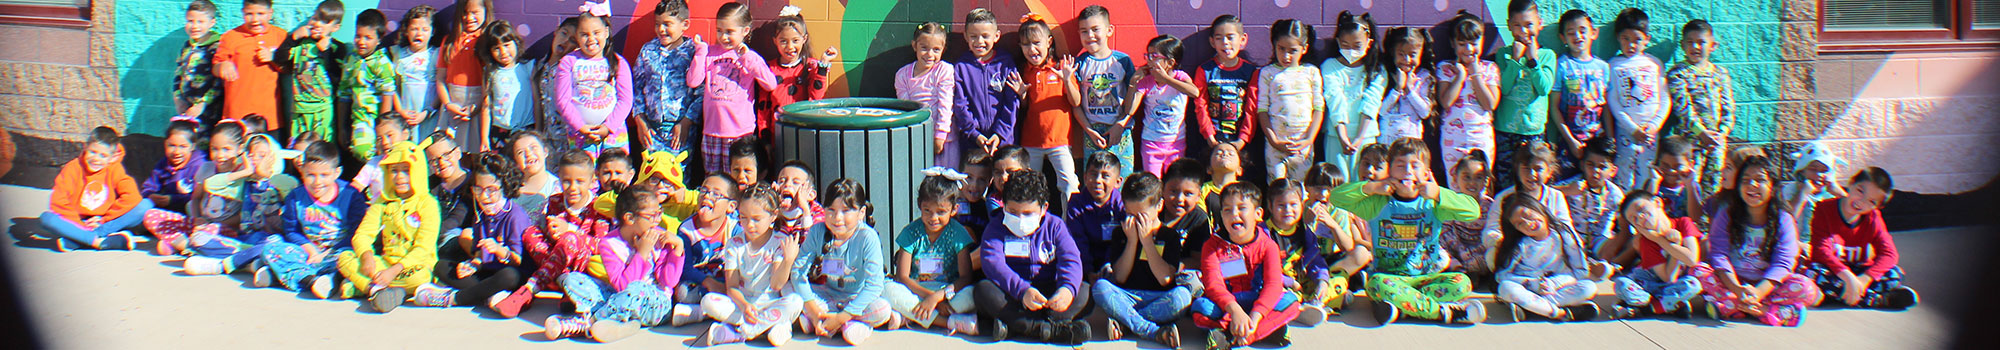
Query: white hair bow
x=947 y=173
x=600 y=9
x=789 y=11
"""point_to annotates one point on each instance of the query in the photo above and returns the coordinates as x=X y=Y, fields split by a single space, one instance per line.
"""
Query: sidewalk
x=118 y=299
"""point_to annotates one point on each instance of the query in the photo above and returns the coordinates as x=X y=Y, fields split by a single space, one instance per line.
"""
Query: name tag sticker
x=1233 y=268
x=1017 y=249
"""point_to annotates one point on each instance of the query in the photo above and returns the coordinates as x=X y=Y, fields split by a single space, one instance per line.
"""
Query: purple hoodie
x=177 y=185
x=1046 y=259
x=985 y=106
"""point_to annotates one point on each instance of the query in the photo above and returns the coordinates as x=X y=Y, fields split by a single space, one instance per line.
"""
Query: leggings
x=1543 y=295
x=482 y=284
x=1422 y=296
x=1211 y=315
x=1004 y=307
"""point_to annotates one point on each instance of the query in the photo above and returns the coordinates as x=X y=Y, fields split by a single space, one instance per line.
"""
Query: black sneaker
x=993 y=328
x=1281 y=337
x=1040 y=331
x=1385 y=313
x=1685 y=310
x=1219 y=340
x=1584 y=312
x=388 y=299
x=1072 y=333
x=1899 y=299
x=1708 y=310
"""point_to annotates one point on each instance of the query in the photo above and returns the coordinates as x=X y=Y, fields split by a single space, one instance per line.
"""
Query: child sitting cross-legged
x=1244 y=297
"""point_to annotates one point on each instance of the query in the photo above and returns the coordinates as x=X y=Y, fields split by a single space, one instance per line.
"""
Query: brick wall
x=55 y=85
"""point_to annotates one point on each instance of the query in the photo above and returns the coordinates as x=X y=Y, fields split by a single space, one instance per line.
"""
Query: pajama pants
x=288 y=263
x=641 y=301
x=349 y=263
x=1065 y=163
x=902 y=300
x=1795 y=291
x=771 y=314
x=1142 y=311
x=482 y=284
x=558 y=252
x=715 y=152
x=1120 y=146
x=875 y=315
x=1281 y=166
x=1708 y=163
x=1641 y=287
x=1155 y=155
x=1001 y=306
x=166 y=224
x=1830 y=284
x=1634 y=159
x=238 y=253
x=1211 y=315
x=64 y=228
x=1543 y=295
x=1503 y=159
x=1421 y=296
x=1466 y=246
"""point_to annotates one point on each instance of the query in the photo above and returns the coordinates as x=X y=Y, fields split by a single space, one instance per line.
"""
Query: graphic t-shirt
x=1581 y=87
x=1103 y=82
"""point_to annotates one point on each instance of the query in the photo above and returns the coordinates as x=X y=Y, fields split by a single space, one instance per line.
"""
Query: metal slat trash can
x=881 y=142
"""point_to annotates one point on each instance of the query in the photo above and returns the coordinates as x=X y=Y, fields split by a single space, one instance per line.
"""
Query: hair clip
x=947 y=173
x=789 y=11
x=185 y=118
x=1033 y=17
x=600 y=9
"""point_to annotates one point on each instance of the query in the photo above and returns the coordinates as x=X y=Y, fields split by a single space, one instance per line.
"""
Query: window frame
x=1957 y=34
x=46 y=15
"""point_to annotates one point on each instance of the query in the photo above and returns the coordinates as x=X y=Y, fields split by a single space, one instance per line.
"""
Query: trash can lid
x=854 y=113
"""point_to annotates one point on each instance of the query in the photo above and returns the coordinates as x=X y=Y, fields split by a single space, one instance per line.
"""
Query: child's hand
x=1096 y=140
x=675 y=137
x=466 y=268
x=226 y=71
x=1711 y=139
x=1643 y=137
x=1067 y=67
x=1061 y=302
x=937 y=145
x=266 y=54
x=834 y=322
x=831 y=53
x=1241 y=331
x=1013 y=83
x=313 y=254
x=492 y=246
x=1457 y=70
x=1034 y=300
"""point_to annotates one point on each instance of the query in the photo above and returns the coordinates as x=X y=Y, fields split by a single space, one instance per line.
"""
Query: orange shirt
x=462 y=66
x=255 y=89
x=1046 y=122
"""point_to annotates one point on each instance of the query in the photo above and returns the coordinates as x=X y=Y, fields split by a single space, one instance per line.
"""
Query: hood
x=662 y=164
x=1816 y=152
x=278 y=153
x=406 y=153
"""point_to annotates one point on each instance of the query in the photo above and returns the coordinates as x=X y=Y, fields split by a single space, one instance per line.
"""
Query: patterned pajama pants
x=642 y=301
x=1421 y=296
x=1784 y=306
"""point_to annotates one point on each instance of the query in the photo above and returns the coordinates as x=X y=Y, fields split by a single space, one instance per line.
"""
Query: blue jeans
x=64 y=228
x=1641 y=286
x=1142 y=311
x=1209 y=308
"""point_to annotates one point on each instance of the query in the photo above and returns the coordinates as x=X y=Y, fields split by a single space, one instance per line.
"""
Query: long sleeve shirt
x=1353 y=99
x=1406 y=230
x=622 y=268
x=1293 y=98
x=506 y=227
x=327 y=224
x=1864 y=244
x=985 y=106
x=936 y=89
x=852 y=272
x=1227 y=107
x=1702 y=97
x=178 y=184
x=1045 y=260
x=1552 y=199
x=1228 y=268
x=79 y=194
x=1560 y=253
x=1524 y=92
x=1094 y=226
x=660 y=78
x=729 y=79
x=1404 y=111
x=1748 y=259
x=588 y=92
x=196 y=84
x=1638 y=98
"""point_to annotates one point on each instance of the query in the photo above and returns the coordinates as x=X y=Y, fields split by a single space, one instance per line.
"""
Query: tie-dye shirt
x=660 y=81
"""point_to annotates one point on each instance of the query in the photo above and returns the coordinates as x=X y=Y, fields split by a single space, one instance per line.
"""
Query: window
x=52 y=13
x=1908 y=25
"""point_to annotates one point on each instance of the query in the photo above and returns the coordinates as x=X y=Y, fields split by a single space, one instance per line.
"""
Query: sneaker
x=1169 y=336
x=125 y=240
x=895 y=321
x=1073 y=333
x=993 y=328
x=509 y=304
x=263 y=277
x=1189 y=278
x=1112 y=330
x=683 y=315
x=388 y=299
x=1310 y=315
x=1467 y=312
x=433 y=295
x=1041 y=331
x=201 y=266
x=165 y=245
x=111 y=241
x=718 y=334
x=855 y=332
x=1281 y=337
x=1385 y=313
x=322 y=286
x=961 y=324
x=1622 y=311
x=606 y=331
x=1219 y=340
x=1516 y=313
x=558 y=327
x=778 y=335
x=347 y=290
x=1684 y=310
x=1708 y=310
x=1901 y=298
x=1582 y=312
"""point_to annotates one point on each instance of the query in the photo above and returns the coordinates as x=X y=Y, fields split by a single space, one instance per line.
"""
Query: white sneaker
x=854 y=332
x=683 y=315
x=778 y=335
x=263 y=277
x=1310 y=315
x=202 y=266
x=322 y=286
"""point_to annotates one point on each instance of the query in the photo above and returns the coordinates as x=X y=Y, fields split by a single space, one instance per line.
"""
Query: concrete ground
x=120 y=299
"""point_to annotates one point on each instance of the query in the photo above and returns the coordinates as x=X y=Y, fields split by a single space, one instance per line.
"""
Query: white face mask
x=1353 y=54
x=795 y=212
x=1022 y=225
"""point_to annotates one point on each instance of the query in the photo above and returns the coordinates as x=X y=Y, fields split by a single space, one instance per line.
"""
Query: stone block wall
x=56 y=84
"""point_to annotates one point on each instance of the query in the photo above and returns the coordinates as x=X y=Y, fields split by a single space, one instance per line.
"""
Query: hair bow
x=185 y=118
x=600 y=9
x=947 y=173
x=790 y=11
x=1033 y=17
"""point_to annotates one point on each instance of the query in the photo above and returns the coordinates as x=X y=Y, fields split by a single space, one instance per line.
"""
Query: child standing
x=1291 y=100
x=1245 y=268
x=1581 y=93
x=320 y=220
x=197 y=92
x=1164 y=94
x=839 y=272
x=1408 y=210
x=593 y=87
x=414 y=58
x=1666 y=249
x=1354 y=83
x=799 y=76
x=550 y=119
x=728 y=72
x=1050 y=97
x=173 y=179
x=1527 y=72
x=756 y=266
x=640 y=268
x=1095 y=214
x=1545 y=268
x=1408 y=102
x=990 y=88
x=93 y=201
x=509 y=105
x=1638 y=100
x=1146 y=291
x=1227 y=112
x=368 y=85
x=665 y=102
x=1704 y=103
x=1105 y=77
x=246 y=60
x=1747 y=271
x=931 y=82
x=311 y=57
x=1034 y=274
x=462 y=88
x=404 y=222
x=1469 y=89
x=1855 y=258
x=933 y=268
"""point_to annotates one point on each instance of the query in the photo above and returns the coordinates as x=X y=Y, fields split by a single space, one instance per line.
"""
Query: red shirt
x=461 y=62
x=805 y=81
x=1046 y=122
x=255 y=90
x=1262 y=270
x=1840 y=245
x=1650 y=254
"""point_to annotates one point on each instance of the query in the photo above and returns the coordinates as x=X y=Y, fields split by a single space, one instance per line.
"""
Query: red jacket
x=79 y=194
x=1264 y=271
x=1864 y=243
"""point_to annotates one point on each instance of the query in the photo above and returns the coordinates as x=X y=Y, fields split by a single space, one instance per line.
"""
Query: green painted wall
x=149 y=39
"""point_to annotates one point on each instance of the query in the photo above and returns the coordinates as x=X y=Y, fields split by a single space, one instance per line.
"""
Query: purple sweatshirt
x=1044 y=260
x=621 y=270
x=505 y=227
x=1724 y=255
x=1094 y=227
x=175 y=184
x=986 y=106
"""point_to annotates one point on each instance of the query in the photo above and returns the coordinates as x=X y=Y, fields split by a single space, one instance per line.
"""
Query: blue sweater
x=853 y=272
x=329 y=225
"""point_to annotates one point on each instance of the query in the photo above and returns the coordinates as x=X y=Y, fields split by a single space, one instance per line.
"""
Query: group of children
x=446 y=192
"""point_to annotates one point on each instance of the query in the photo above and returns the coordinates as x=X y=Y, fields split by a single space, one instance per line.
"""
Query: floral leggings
x=1783 y=307
x=168 y=224
x=1421 y=296
x=642 y=301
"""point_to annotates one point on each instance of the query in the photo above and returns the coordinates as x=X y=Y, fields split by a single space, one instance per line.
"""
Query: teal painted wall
x=149 y=39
